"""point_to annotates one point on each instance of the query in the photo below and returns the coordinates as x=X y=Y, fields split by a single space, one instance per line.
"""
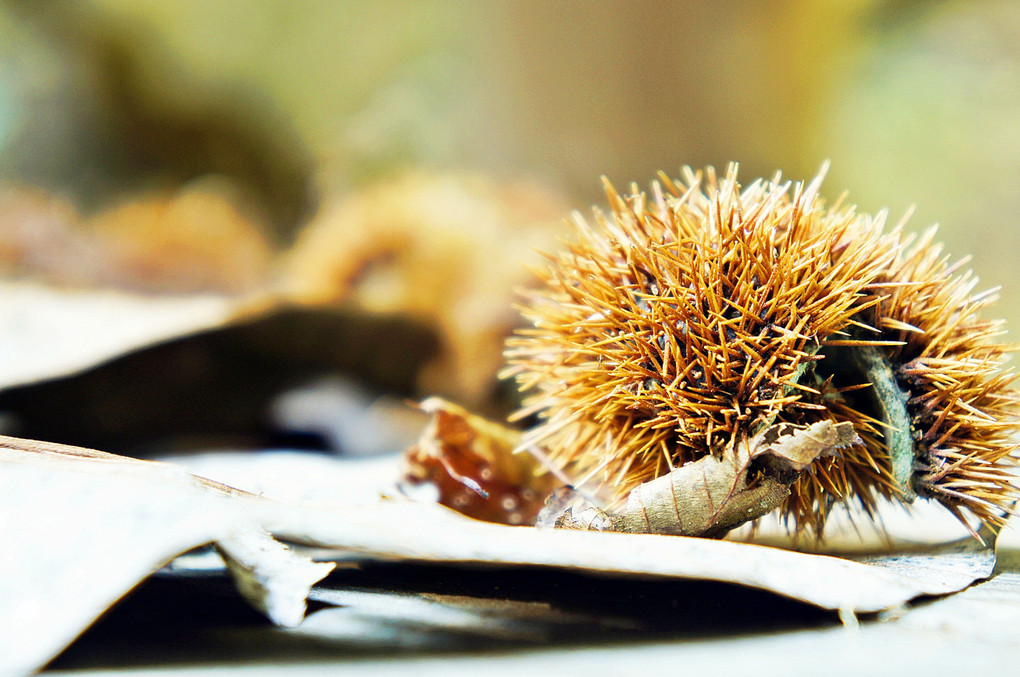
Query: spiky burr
x=691 y=318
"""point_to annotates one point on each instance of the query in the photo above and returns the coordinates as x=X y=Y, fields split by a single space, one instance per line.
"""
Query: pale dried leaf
x=81 y=528
x=78 y=534
x=273 y=579
x=402 y=530
x=47 y=332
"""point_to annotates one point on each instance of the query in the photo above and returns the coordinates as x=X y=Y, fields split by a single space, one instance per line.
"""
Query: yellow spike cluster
x=693 y=316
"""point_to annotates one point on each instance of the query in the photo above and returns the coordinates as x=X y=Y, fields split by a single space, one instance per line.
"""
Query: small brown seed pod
x=693 y=318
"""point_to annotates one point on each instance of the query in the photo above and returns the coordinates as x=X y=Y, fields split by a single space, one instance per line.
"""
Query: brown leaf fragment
x=713 y=495
x=471 y=463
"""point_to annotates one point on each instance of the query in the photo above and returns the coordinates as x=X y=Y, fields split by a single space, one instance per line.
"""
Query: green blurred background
x=913 y=102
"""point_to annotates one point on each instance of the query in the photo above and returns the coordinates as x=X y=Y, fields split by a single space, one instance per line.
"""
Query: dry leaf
x=80 y=528
x=715 y=494
x=471 y=463
x=271 y=577
x=432 y=533
x=48 y=332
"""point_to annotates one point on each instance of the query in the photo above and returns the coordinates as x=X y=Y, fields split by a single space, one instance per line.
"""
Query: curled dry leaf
x=470 y=462
x=49 y=332
x=715 y=494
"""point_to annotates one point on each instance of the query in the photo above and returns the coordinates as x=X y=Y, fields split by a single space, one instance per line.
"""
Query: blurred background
x=398 y=157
